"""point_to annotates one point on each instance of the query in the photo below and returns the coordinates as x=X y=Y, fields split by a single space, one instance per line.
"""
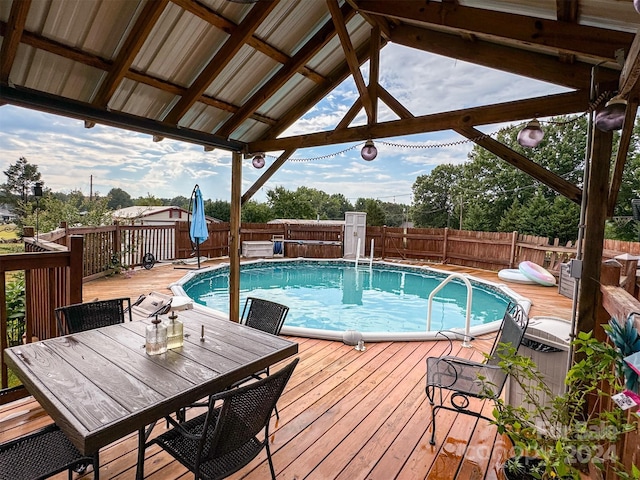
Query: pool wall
x=178 y=289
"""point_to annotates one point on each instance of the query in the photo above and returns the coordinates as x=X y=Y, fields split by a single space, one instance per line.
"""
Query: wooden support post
x=589 y=296
x=76 y=269
x=609 y=275
x=444 y=245
x=234 y=237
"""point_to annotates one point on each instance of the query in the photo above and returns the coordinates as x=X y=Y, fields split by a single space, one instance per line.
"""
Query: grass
x=8 y=233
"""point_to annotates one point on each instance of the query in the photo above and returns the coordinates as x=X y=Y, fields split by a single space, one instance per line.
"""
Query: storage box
x=257 y=249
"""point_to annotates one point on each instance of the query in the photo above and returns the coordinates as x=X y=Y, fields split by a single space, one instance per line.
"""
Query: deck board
x=345 y=414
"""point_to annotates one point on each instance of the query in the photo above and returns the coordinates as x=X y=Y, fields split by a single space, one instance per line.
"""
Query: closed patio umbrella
x=198 y=230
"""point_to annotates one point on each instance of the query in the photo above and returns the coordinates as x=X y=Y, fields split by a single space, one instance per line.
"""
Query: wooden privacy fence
x=109 y=248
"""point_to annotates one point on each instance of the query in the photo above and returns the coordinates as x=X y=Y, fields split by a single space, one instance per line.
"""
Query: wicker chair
x=263 y=315
x=220 y=442
x=86 y=316
x=461 y=376
x=42 y=454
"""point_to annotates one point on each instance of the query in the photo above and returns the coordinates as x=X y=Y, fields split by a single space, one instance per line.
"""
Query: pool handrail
x=467 y=323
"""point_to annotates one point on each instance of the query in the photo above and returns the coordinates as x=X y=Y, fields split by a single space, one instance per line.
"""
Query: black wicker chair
x=86 y=316
x=461 y=376
x=42 y=454
x=263 y=315
x=222 y=441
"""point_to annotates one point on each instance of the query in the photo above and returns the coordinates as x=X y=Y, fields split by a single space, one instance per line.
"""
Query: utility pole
x=90 y=187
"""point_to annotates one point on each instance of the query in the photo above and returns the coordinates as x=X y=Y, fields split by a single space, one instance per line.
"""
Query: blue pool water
x=337 y=296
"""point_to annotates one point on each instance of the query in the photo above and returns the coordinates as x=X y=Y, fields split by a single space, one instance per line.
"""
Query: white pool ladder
x=467 y=326
x=358 y=254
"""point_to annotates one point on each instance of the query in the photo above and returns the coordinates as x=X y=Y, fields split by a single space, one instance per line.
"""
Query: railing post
x=76 y=269
x=512 y=255
x=445 y=245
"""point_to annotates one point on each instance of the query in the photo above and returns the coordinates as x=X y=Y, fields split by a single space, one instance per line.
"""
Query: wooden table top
x=100 y=385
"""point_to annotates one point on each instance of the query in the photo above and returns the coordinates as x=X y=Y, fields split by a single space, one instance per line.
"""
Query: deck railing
x=53 y=278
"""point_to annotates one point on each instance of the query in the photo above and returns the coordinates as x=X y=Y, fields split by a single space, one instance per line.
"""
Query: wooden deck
x=344 y=415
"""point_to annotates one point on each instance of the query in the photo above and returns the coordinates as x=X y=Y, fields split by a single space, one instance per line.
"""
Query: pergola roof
x=235 y=75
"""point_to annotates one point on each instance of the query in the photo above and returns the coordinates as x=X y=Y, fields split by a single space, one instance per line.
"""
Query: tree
x=21 y=177
x=149 y=201
x=375 y=213
x=434 y=196
x=179 y=201
x=219 y=209
x=118 y=198
x=255 y=212
x=287 y=204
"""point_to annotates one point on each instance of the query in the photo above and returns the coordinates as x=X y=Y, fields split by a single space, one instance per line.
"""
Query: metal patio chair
x=227 y=437
x=461 y=376
x=42 y=454
x=86 y=316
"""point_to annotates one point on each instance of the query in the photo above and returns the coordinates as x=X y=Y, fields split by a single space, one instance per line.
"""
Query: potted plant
x=569 y=434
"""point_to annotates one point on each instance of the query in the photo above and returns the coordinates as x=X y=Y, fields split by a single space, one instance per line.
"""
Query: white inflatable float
x=537 y=273
x=514 y=275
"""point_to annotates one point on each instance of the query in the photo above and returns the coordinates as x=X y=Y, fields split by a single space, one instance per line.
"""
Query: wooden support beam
x=514 y=60
x=234 y=237
x=630 y=76
x=589 y=296
x=136 y=38
x=350 y=115
x=560 y=104
x=273 y=168
x=289 y=69
x=597 y=43
x=522 y=163
x=621 y=156
x=12 y=36
x=221 y=59
x=374 y=73
x=394 y=104
x=350 y=55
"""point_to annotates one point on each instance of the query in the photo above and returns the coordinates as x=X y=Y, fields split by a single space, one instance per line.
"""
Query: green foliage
x=16 y=309
x=219 y=209
x=254 y=212
x=77 y=210
x=565 y=434
x=149 y=201
x=375 y=213
x=21 y=177
x=627 y=340
x=118 y=198
x=490 y=194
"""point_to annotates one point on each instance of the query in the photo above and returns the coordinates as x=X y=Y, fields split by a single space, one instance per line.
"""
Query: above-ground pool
x=384 y=301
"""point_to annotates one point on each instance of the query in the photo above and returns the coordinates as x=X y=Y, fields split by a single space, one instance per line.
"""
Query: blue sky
x=69 y=155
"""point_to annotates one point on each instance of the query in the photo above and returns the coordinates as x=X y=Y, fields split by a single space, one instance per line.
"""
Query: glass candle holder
x=175 y=331
x=156 y=338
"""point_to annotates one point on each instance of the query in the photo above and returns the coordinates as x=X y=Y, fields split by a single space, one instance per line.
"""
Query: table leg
x=141 y=442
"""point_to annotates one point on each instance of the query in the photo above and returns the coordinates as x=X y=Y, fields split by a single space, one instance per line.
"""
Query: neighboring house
x=155 y=215
x=6 y=215
x=298 y=221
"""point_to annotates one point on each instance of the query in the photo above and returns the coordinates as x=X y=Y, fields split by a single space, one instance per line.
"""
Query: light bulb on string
x=531 y=135
x=258 y=161
x=369 y=151
x=611 y=117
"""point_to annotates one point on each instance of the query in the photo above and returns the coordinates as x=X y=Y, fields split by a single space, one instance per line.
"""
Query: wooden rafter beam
x=84 y=58
x=273 y=168
x=350 y=115
x=560 y=104
x=337 y=76
x=11 y=37
x=621 y=156
x=522 y=163
x=597 y=43
x=127 y=54
x=500 y=57
x=294 y=64
x=350 y=55
x=221 y=59
x=205 y=13
x=630 y=76
x=567 y=10
x=394 y=104
x=374 y=73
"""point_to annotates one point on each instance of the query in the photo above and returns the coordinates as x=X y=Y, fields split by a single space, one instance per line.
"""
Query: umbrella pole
x=198 y=251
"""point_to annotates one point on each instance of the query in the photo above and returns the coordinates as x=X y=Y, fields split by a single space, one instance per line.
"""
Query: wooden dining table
x=100 y=385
